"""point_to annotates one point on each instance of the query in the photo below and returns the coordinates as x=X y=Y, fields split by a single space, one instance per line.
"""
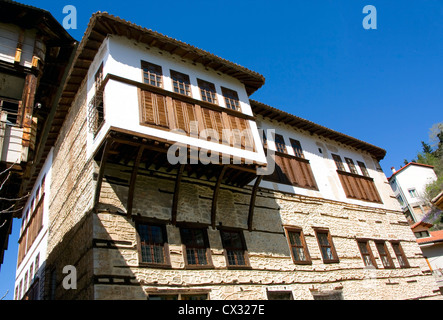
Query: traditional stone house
x=137 y=223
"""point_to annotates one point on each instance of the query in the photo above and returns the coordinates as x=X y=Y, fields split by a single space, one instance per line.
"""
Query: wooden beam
x=176 y=193
x=252 y=202
x=215 y=196
x=132 y=181
x=101 y=171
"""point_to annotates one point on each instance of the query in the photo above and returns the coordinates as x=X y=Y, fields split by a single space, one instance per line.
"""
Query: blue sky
x=382 y=86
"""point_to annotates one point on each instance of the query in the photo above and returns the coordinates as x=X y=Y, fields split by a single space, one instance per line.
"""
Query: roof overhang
x=272 y=113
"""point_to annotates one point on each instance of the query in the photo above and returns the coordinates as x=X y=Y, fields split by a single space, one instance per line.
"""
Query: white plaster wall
x=434 y=253
x=8 y=44
x=123 y=57
x=39 y=245
x=416 y=177
x=324 y=168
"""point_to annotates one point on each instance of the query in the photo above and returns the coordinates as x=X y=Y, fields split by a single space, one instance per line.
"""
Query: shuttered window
x=292 y=170
x=326 y=246
x=363 y=169
x=173 y=113
x=231 y=99
x=366 y=253
x=235 y=248
x=280 y=143
x=181 y=83
x=207 y=91
x=152 y=74
x=401 y=257
x=384 y=255
x=154 y=110
x=296 y=146
x=153 y=244
x=297 y=244
x=338 y=162
x=351 y=166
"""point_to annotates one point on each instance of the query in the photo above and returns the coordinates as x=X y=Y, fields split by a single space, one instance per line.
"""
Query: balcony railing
x=359 y=187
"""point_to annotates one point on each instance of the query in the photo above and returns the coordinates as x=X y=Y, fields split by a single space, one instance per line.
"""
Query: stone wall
x=119 y=275
x=71 y=194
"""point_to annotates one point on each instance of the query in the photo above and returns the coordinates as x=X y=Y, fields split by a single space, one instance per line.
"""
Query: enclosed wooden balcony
x=359 y=187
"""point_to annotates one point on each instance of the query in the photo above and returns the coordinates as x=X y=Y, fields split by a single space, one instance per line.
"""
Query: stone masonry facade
x=102 y=243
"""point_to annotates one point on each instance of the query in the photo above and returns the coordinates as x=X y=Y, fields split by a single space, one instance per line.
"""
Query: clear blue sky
x=382 y=86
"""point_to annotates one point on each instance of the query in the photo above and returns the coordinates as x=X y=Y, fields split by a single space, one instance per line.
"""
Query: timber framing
x=145 y=153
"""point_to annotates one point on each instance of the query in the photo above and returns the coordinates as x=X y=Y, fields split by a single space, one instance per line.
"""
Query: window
x=401 y=257
x=384 y=254
x=96 y=107
x=235 y=248
x=181 y=83
x=11 y=109
x=280 y=143
x=351 y=166
x=366 y=253
x=338 y=162
x=422 y=234
x=152 y=74
x=400 y=200
x=207 y=91
x=326 y=246
x=153 y=244
x=412 y=193
x=363 y=169
x=298 y=151
x=297 y=244
x=231 y=99
x=197 y=252
x=280 y=295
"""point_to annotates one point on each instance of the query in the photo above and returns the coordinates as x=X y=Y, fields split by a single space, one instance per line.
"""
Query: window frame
x=231 y=98
x=206 y=89
x=331 y=245
x=176 y=78
x=166 y=260
x=338 y=162
x=369 y=250
x=401 y=253
x=247 y=264
x=363 y=168
x=387 y=254
x=280 y=146
x=296 y=147
x=147 y=75
x=207 y=248
x=289 y=230
x=351 y=165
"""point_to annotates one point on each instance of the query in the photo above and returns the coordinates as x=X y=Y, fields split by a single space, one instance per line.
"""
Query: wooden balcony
x=359 y=187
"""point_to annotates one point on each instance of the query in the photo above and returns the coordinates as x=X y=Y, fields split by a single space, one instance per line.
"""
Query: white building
x=409 y=186
x=135 y=225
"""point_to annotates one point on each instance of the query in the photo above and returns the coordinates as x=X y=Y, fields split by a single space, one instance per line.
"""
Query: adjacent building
x=409 y=186
x=166 y=181
x=34 y=54
x=431 y=243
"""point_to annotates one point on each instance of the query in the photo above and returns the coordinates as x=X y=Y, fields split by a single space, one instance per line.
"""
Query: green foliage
x=432 y=154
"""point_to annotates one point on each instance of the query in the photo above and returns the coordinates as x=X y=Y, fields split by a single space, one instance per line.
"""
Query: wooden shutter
x=213 y=120
x=154 y=109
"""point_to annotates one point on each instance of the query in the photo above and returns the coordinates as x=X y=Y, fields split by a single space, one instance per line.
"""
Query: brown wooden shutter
x=154 y=109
